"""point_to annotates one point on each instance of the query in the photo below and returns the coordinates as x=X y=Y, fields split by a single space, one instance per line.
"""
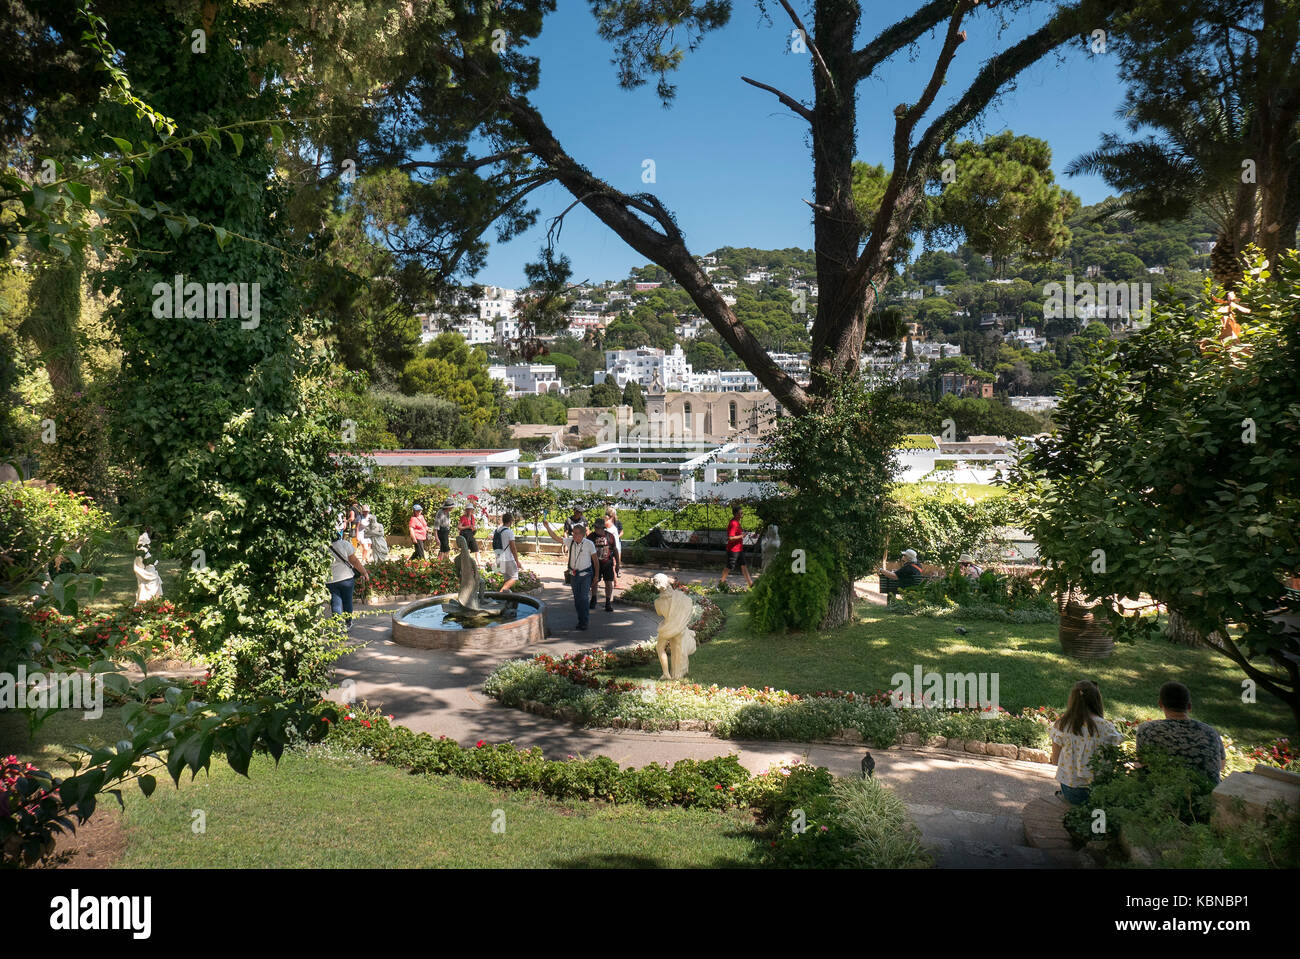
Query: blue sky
x=731 y=162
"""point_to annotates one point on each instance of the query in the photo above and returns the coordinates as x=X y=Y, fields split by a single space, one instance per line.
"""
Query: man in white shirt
x=580 y=557
x=507 y=555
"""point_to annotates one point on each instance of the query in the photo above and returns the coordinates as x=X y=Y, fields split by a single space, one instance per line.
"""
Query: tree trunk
x=1182 y=632
x=51 y=323
x=840 y=610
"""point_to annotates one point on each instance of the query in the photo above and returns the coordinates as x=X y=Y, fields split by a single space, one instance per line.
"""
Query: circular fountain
x=438 y=623
x=471 y=618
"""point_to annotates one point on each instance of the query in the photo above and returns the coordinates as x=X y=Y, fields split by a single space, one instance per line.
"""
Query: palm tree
x=1192 y=164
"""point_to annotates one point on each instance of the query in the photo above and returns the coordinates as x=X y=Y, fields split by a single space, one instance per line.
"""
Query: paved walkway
x=969 y=809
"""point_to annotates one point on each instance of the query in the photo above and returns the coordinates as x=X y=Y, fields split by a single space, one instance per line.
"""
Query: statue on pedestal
x=675 y=609
x=469 y=608
x=148 y=584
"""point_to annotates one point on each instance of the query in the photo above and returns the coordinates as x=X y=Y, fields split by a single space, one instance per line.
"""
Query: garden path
x=969 y=808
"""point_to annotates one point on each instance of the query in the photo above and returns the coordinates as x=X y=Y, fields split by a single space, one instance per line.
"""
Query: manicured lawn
x=1031 y=668
x=319 y=809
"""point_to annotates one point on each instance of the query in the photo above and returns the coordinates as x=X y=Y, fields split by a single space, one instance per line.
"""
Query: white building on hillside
x=528 y=379
x=643 y=365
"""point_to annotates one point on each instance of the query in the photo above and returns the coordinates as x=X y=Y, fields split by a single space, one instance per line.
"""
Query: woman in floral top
x=1077 y=735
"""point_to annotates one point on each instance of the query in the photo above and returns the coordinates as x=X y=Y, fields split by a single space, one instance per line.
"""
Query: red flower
x=480 y=744
x=366 y=723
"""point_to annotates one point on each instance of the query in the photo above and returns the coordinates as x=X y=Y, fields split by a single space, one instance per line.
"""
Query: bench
x=707 y=539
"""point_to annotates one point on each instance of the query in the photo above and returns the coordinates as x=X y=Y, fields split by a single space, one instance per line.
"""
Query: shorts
x=606 y=572
x=506 y=564
x=444 y=541
x=735 y=560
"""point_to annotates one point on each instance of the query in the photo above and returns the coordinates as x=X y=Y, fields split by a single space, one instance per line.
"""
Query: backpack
x=601 y=541
x=497 y=538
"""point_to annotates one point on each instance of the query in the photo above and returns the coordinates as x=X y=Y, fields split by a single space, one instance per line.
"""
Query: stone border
x=845 y=737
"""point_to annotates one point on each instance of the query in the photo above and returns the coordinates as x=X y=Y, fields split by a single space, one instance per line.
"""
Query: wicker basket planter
x=1082 y=633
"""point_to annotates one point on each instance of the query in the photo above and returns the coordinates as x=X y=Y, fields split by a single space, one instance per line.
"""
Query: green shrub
x=39 y=523
x=791 y=595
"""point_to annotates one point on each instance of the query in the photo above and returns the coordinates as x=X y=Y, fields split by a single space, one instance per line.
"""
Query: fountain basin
x=526 y=627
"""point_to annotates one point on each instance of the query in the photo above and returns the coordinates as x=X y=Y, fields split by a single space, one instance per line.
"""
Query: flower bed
x=577 y=686
x=155 y=628
x=857 y=824
x=432 y=577
x=1001 y=596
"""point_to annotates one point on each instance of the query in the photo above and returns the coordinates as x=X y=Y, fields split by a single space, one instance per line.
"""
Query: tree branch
x=812 y=46
x=785 y=98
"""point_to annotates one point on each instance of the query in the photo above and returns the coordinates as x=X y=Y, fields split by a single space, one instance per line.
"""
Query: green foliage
x=941 y=524
x=39 y=523
x=78 y=457
x=1177 y=457
x=452 y=370
x=793 y=595
x=835 y=466
x=1004 y=199
x=1166 y=807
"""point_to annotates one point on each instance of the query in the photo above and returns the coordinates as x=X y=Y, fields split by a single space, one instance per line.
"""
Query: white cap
x=909 y=554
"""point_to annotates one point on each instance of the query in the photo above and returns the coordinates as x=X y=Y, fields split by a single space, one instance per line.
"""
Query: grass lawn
x=319 y=809
x=1031 y=668
x=115 y=567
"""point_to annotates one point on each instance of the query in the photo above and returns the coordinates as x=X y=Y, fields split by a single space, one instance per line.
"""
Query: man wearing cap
x=580 y=557
x=909 y=574
x=419 y=529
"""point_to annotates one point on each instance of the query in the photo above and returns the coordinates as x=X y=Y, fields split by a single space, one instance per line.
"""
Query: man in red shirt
x=736 y=547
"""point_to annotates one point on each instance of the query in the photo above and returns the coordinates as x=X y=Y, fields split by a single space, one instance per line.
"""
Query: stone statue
x=770 y=545
x=675 y=635
x=469 y=608
x=375 y=533
x=148 y=584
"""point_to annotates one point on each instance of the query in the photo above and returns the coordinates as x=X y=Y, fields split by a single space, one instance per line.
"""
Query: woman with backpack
x=605 y=539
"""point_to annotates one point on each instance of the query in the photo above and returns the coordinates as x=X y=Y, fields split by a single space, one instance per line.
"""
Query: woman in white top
x=580 y=556
x=1076 y=737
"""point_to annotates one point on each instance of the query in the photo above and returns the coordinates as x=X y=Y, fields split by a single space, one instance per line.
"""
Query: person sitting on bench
x=909 y=574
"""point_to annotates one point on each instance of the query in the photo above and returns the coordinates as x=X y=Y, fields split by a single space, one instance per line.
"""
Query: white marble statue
x=769 y=546
x=148 y=584
x=675 y=636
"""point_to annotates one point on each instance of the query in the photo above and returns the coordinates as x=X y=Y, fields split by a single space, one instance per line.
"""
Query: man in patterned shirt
x=1187 y=741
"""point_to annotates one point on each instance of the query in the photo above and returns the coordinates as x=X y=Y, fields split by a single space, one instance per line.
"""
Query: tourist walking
x=363 y=533
x=1187 y=741
x=419 y=530
x=345 y=567
x=507 y=555
x=736 y=547
x=580 y=567
x=604 y=538
x=442 y=526
x=1076 y=737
